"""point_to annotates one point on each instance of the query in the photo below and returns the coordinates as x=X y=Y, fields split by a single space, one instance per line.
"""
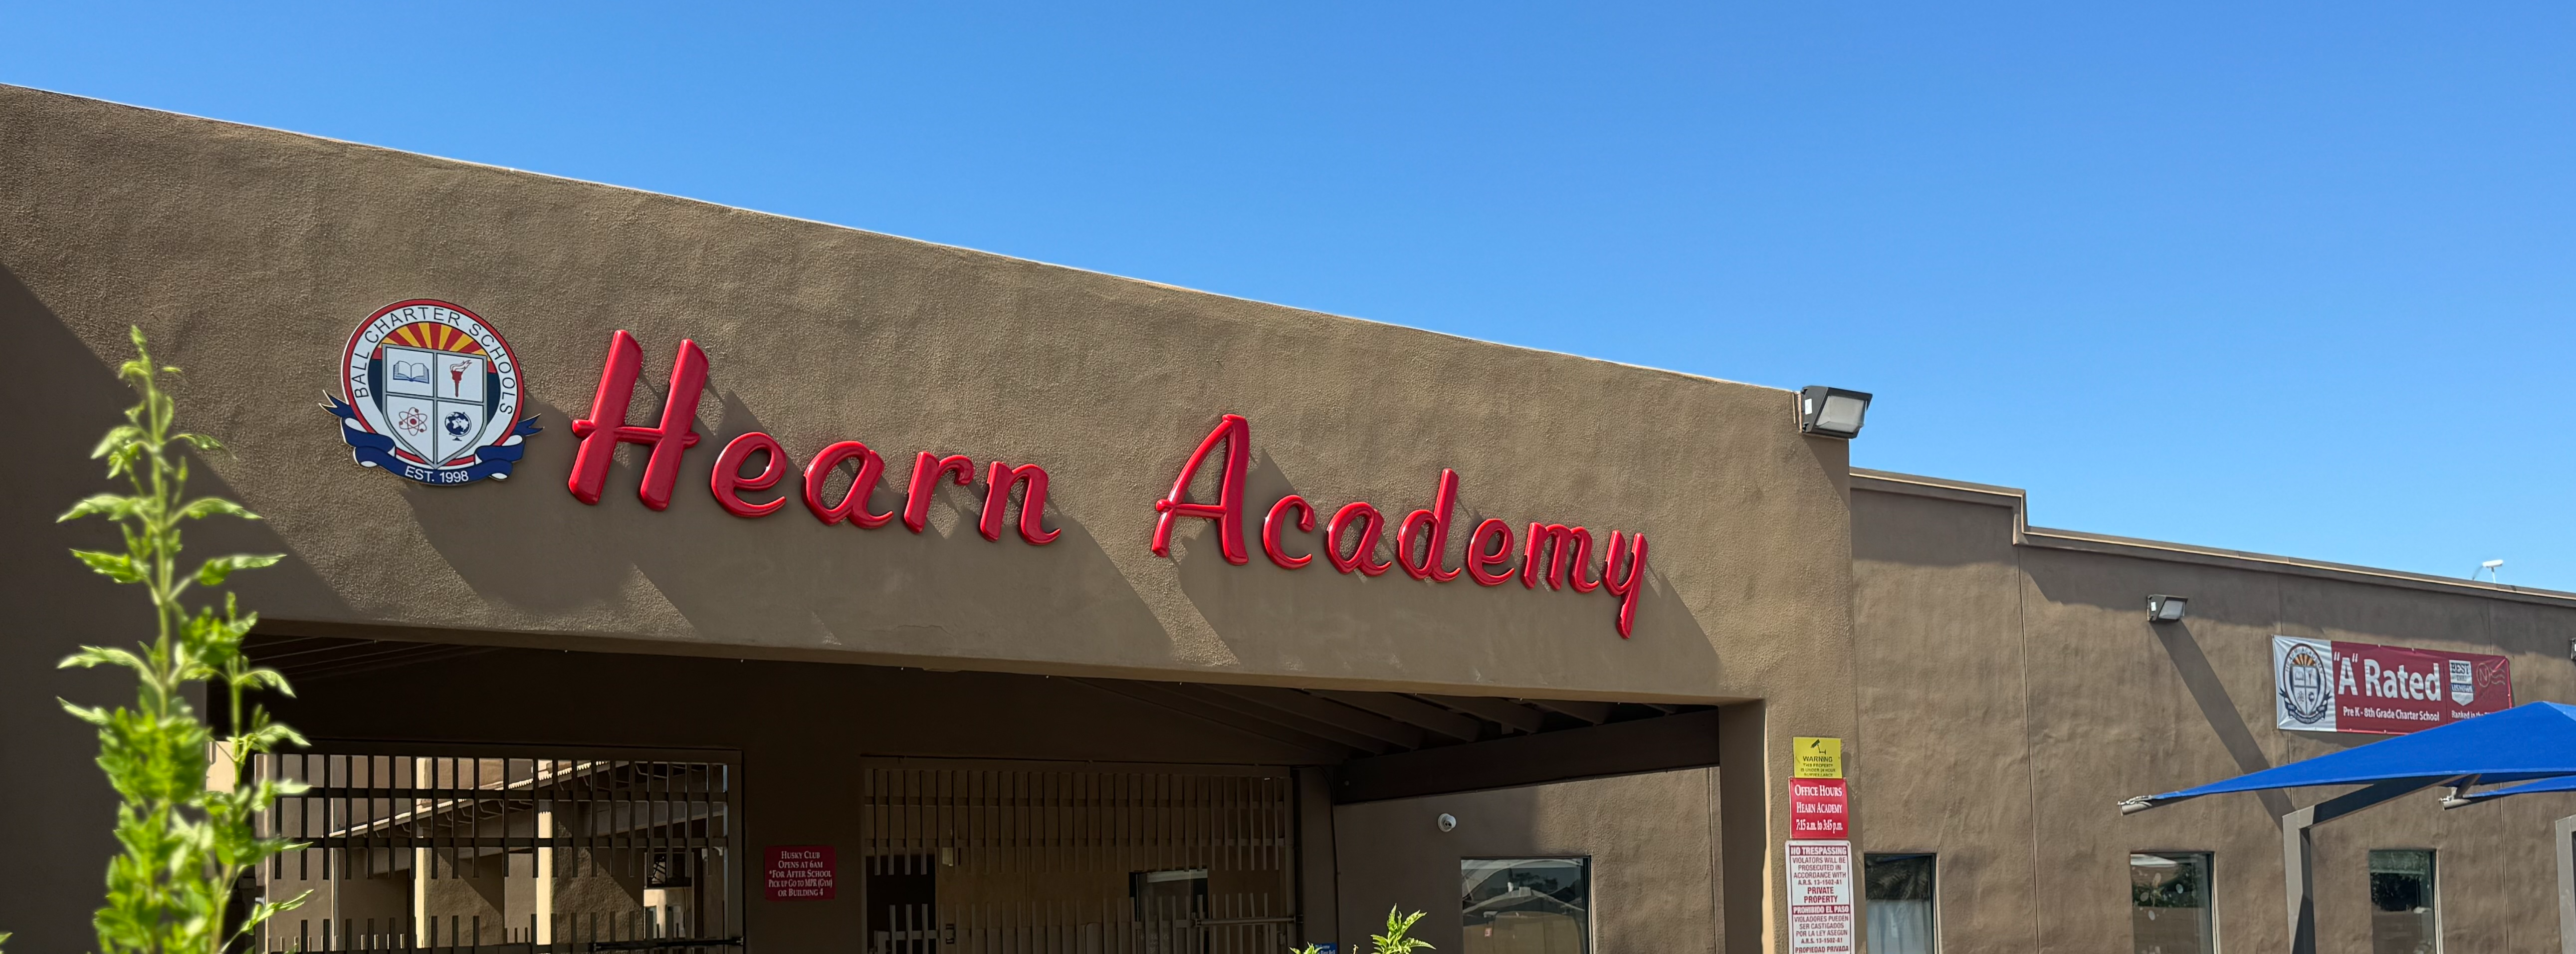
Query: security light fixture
x=1831 y=412
x=1448 y=822
x=2163 y=608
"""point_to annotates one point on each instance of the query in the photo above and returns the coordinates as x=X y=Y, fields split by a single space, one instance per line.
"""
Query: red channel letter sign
x=606 y=427
x=2334 y=686
x=1819 y=809
x=800 y=873
x=1559 y=555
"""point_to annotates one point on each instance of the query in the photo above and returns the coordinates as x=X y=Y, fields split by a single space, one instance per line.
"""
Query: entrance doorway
x=445 y=849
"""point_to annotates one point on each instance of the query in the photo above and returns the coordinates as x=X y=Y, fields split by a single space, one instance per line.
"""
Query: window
x=2169 y=909
x=1901 y=917
x=2405 y=915
x=1526 y=905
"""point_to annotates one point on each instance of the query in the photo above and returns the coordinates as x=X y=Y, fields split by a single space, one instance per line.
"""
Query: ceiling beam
x=1410 y=711
x=1213 y=695
x=1502 y=711
x=1618 y=748
x=1370 y=724
x=1160 y=695
x=1591 y=712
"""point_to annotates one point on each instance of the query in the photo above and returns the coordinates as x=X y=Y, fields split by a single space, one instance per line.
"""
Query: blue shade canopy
x=2534 y=740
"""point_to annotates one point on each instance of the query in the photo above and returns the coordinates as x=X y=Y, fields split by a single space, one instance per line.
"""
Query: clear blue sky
x=2297 y=279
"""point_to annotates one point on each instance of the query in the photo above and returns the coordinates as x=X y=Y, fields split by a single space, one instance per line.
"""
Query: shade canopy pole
x=2565 y=849
x=2298 y=852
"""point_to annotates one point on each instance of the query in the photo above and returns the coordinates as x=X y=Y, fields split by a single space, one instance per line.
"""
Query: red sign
x=1356 y=537
x=2334 y=686
x=1559 y=555
x=800 y=873
x=606 y=427
x=1819 y=808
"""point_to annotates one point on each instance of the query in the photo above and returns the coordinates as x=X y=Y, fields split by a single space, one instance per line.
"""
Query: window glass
x=2169 y=903
x=1899 y=891
x=2403 y=914
x=1526 y=905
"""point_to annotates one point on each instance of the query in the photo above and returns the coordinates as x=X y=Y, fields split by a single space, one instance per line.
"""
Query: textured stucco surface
x=2013 y=695
x=249 y=255
x=1652 y=839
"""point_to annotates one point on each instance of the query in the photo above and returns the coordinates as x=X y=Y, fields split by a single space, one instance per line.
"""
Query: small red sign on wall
x=800 y=873
x=1819 y=809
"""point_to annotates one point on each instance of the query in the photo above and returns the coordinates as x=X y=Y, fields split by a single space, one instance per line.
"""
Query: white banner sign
x=1820 y=898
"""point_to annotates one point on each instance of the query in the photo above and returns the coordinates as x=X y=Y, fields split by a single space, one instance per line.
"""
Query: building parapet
x=2023 y=534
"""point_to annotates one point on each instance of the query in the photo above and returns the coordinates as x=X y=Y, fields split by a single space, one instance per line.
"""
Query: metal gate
x=414 y=848
x=985 y=858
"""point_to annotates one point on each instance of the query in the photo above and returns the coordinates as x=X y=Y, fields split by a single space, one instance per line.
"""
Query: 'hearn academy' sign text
x=1553 y=553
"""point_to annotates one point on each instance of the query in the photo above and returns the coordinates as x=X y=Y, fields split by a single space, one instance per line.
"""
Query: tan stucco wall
x=1652 y=839
x=2013 y=695
x=249 y=255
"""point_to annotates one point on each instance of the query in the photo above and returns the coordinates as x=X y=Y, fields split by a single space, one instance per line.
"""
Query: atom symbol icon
x=413 y=420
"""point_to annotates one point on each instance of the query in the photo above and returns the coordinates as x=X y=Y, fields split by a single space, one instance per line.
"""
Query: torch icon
x=456 y=374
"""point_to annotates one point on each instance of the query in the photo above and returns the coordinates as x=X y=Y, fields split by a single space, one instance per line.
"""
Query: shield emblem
x=2464 y=682
x=436 y=401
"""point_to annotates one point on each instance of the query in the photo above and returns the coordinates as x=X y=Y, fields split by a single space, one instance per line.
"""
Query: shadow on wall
x=61 y=397
x=2209 y=692
x=1394 y=616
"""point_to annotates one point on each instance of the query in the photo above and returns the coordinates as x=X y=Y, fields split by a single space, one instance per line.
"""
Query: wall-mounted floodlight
x=2163 y=608
x=1831 y=412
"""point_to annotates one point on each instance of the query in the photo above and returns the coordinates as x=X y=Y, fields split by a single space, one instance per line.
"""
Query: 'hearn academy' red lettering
x=1558 y=554
x=606 y=428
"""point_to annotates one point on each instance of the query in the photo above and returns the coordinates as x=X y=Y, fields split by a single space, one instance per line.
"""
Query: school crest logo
x=2306 y=684
x=430 y=392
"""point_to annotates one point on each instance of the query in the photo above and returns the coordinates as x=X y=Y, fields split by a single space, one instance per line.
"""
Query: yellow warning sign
x=1819 y=757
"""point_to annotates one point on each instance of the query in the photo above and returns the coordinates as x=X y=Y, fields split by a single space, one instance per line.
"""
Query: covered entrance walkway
x=548 y=801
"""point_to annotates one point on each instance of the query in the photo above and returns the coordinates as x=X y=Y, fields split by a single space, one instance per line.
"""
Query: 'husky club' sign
x=2332 y=686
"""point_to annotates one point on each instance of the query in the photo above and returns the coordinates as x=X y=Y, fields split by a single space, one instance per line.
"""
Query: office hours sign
x=2322 y=685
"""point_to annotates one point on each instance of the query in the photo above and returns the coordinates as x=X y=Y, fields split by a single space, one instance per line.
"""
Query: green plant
x=1393 y=941
x=187 y=838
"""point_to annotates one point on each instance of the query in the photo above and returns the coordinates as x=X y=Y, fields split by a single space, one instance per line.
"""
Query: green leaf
x=1394 y=941
x=93 y=715
x=214 y=506
x=269 y=679
x=117 y=437
x=102 y=656
x=215 y=570
x=118 y=506
x=114 y=566
x=200 y=441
